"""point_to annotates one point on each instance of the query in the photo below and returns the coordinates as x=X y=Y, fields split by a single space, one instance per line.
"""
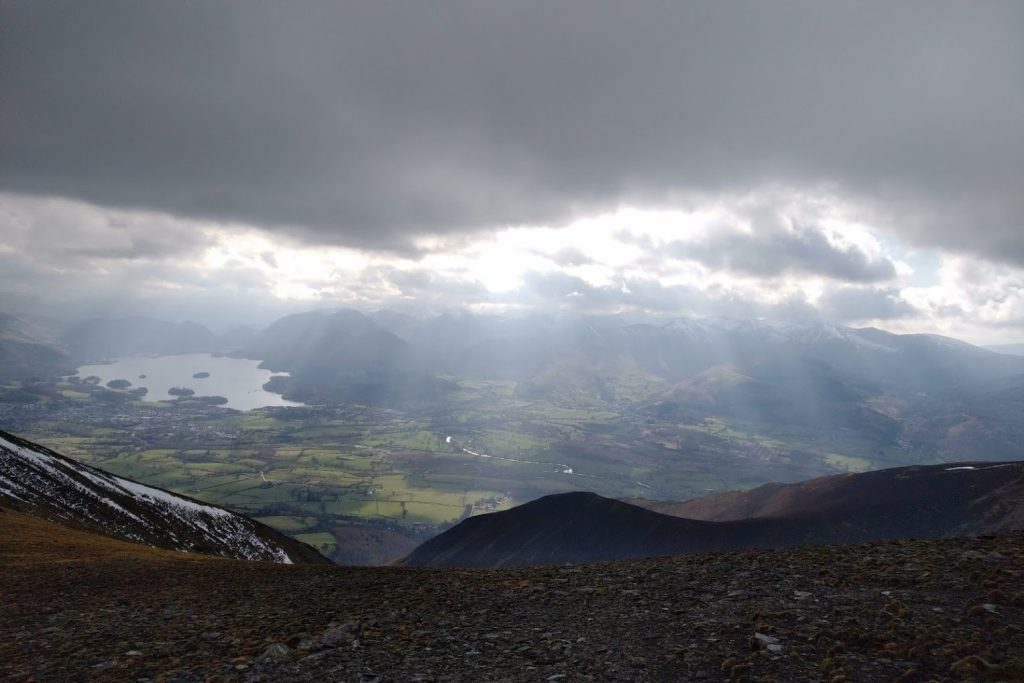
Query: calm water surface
x=236 y=379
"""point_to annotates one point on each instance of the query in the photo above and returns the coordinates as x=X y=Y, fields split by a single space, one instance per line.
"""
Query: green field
x=306 y=470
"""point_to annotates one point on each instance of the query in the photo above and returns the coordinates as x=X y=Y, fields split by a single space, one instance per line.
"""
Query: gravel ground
x=76 y=608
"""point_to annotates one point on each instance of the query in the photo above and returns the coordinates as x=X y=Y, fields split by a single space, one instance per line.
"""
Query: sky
x=857 y=163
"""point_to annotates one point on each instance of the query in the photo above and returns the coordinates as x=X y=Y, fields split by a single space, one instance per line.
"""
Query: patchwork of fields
x=315 y=472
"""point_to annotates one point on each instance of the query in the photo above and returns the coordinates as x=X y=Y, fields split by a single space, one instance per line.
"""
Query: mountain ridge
x=904 y=502
x=37 y=480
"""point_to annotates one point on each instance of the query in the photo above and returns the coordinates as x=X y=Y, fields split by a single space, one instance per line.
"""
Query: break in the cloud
x=626 y=262
x=773 y=252
x=770 y=158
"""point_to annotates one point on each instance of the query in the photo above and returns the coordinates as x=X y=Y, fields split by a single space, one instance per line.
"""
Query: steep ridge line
x=907 y=502
x=37 y=480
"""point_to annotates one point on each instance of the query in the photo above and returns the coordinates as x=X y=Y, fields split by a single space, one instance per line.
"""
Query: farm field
x=309 y=471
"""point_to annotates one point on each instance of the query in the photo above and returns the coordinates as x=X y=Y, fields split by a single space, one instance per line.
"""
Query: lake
x=239 y=380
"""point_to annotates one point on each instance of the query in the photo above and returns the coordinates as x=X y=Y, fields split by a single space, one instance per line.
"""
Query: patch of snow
x=156 y=495
x=43 y=477
x=9 y=492
x=56 y=469
x=974 y=467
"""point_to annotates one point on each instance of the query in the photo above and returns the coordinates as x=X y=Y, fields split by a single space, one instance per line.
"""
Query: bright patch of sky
x=772 y=252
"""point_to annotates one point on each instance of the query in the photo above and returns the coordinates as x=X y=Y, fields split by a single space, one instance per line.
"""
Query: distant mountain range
x=530 y=347
x=919 y=391
x=35 y=479
x=538 y=348
x=906 y=502
x=1011 y=349
x=53 y=349
x=922 y=392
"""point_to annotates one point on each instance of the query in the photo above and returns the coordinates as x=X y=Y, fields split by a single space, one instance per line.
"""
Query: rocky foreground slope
x=84 y=607
x=37 y=480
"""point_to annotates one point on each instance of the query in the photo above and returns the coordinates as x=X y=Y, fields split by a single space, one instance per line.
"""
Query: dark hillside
x=960 y=497
x=910 y=502
x=335 y=342
x=27 y=352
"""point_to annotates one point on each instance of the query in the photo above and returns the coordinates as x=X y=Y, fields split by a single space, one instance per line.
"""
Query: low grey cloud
x=571 y=256
x=852 y=304
x=72 y=234
x=365 y=124
x=653 y=299
x=774 y=251
x=435 y=290
x=220 y=298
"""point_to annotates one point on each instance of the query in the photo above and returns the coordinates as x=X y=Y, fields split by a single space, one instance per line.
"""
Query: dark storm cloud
x=847 y=304
x=148 y=246
x=769 y=252
x=363 y=123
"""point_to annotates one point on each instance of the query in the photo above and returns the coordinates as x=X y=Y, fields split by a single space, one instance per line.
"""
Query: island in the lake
x=200 y=375
x=181 y=391
x=119 y=384
x=203 y=401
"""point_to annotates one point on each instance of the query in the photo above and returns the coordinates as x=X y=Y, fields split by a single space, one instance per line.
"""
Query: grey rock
x=278 y=652
x=337 y=635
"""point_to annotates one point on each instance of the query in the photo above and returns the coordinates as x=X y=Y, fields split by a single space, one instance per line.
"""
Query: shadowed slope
x=37 y=480
x=909 y=502
x=585 y=527
x=964 y=497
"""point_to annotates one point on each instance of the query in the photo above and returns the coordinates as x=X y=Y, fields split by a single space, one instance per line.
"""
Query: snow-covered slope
x=36 y=479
